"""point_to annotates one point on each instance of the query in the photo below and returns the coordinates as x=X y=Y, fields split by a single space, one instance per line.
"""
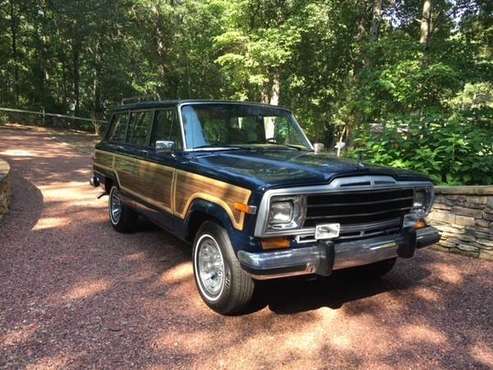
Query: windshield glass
x=219 y=125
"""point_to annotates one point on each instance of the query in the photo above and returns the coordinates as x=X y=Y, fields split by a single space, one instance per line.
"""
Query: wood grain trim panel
x=190 y=186
x=185 y=188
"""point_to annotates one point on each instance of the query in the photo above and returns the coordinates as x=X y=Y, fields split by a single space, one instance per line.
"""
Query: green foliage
x=451 y=150
x=4 y=118
x=336 y=64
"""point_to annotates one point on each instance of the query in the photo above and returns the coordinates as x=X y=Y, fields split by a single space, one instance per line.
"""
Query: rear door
x=131 y=159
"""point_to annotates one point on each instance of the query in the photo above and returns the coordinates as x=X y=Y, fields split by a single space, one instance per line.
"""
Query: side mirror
x=164 y=145
x=318 y=147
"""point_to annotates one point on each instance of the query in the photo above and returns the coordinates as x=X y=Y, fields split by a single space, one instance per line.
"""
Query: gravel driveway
x=75 y=294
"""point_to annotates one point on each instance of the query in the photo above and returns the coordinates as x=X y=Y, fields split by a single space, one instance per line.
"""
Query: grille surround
x=359 y=207
x=347 y=186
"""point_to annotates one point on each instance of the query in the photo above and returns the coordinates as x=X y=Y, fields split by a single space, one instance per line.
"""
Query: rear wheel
x=222 y=283
x=122 y=218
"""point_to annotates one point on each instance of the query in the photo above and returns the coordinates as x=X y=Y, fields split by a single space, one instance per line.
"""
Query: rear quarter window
x=139 y=127
x=118 y=128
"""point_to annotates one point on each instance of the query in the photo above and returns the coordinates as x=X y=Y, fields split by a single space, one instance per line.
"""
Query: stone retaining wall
x=464 y=215
x=4 y=187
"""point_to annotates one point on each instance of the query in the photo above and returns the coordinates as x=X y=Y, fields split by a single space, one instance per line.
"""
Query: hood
x=279 y=168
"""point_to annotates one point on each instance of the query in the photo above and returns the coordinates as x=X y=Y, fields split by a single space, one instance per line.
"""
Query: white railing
x=44 y=114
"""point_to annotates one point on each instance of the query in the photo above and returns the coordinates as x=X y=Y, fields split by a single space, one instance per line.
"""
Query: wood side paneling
x=103 y=159
x=173 y=190
x=190 y=186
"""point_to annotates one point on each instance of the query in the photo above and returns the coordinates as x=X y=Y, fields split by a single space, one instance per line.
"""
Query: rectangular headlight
x=423 y=201
x=286 y=213
x=281 y=212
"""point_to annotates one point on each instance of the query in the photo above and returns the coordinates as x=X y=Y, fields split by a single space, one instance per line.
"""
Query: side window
x=139 y=127
x=167 y=130
x=118 y=130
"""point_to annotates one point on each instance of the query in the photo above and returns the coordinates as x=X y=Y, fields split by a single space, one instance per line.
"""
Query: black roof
x=170 y=103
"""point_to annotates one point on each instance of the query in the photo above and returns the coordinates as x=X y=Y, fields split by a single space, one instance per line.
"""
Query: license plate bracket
x=327 y=231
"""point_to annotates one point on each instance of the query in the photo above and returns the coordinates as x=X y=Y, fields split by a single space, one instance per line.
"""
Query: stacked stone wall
x=464 y=215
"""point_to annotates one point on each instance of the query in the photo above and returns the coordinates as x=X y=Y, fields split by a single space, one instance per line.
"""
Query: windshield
x=217 y=125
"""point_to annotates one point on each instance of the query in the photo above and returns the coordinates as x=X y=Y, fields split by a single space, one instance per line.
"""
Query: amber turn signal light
x=275 y=243
x=420 y=224
x=245 y=208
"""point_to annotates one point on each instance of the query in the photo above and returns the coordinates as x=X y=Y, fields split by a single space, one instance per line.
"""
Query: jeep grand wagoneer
x=242 y=182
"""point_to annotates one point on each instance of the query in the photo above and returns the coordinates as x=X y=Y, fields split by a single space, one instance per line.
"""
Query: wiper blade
x=297 y=147
x=217 y=147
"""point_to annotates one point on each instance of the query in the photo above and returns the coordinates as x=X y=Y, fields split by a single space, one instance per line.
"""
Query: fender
x=239 y=240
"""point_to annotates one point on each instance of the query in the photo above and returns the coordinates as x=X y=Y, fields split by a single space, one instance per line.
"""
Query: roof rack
x=138 y=99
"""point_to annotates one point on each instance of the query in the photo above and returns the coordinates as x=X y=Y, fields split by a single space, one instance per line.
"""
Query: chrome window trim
x=182 y=127
x=181 y=105
x=335 y=186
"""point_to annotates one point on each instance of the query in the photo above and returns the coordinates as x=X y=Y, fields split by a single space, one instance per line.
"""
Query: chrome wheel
x=210 y=266
x=115 y=206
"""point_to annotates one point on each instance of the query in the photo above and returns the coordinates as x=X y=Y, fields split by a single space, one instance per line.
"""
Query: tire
x=377 y=269
x=122 y=218
x=231 y=293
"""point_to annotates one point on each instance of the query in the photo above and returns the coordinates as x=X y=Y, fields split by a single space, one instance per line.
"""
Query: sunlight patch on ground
x=19 y=335
x=427 y=294
x=483 y=354
x=177 y=274
x=447 y=274
x=86 y=289
x=420 y=333
x=51 y=222
x=17 y=153
x=50 y=362
x=309 y=339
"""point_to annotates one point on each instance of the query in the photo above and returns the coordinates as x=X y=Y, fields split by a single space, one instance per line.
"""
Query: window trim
x=179 y=121
x=108 y=134
x=180 y=106
x=147 y=144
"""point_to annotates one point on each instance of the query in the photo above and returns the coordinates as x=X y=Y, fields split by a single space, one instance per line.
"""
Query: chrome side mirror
x=164 y=145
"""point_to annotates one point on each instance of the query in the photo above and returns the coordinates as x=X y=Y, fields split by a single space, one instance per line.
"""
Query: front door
x=165 y=141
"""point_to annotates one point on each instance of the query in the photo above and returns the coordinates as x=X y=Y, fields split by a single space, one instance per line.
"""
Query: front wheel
x=222 y=283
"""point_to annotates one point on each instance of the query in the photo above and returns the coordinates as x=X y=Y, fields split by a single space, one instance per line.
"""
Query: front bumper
x=326 y=256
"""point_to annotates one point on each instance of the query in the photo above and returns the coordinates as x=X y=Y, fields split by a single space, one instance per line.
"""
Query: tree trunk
x=376 y=19
x=426 y=23
x=76 y=74
x=98 y=108
x=270 y=95
x=13 y=29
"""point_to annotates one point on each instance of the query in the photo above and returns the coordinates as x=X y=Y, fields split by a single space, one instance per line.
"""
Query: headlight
x=423 y=200
x=286 y=213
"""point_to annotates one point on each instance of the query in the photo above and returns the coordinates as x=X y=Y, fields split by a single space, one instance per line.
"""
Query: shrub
x=451 y=150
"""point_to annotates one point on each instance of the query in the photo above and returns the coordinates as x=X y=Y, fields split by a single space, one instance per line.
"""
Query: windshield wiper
x=297 y=147
x=218 y=147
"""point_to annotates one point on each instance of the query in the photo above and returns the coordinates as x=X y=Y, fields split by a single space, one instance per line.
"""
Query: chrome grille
x=360 y=213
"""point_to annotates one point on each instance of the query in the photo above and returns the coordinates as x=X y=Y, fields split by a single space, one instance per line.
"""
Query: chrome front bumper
x=326 y=256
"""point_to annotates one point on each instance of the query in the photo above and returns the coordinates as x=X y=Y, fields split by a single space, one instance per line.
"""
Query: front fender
x=240 y=240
